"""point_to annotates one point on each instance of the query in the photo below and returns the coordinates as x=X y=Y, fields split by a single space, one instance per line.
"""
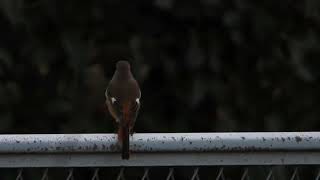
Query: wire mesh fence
x=175 y=156
x=167 y=173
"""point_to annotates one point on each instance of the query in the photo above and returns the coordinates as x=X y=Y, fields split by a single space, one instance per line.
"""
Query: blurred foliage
x=210 y=65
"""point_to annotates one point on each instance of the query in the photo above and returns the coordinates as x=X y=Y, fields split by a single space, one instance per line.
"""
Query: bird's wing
x=113 y=106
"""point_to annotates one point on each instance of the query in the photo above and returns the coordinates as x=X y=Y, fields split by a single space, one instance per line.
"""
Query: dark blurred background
x=209 y=65
x=203 y=65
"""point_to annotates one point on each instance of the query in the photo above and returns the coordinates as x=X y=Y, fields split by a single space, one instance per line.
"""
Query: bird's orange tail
x=124 y=138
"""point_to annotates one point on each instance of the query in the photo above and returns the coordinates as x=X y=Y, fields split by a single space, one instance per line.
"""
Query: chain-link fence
x=170 y=173
x=171 y=156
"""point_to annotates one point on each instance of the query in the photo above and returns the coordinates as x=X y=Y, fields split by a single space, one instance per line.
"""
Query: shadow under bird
x=123 y=102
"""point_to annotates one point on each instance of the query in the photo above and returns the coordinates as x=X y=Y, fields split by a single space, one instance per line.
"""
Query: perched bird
x=123 y=102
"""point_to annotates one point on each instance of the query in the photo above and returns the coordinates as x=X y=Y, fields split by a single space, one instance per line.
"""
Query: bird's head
x=123 y=66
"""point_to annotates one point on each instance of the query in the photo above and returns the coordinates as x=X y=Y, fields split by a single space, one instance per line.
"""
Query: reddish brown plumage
x=122 y=99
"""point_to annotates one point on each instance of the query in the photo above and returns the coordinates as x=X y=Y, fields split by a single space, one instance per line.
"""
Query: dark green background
x=203 y=65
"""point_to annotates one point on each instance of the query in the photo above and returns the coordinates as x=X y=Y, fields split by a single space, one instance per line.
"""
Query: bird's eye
x=138 y=101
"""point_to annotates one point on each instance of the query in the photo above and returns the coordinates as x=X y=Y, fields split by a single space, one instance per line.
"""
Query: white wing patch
x=113 y=100
x=138 y=99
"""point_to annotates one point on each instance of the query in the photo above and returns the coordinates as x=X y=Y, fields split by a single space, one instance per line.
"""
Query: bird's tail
x=124 y=133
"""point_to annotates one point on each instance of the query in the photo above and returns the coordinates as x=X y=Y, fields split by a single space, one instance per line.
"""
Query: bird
x=123 y=102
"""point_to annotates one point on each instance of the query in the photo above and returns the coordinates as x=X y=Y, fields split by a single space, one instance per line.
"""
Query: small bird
x=123 y=101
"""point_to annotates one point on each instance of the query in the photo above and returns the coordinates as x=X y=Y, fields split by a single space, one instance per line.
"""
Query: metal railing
x=193 y=151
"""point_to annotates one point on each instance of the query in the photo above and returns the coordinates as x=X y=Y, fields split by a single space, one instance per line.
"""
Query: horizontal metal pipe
x=162 y=142
x=158 y=159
